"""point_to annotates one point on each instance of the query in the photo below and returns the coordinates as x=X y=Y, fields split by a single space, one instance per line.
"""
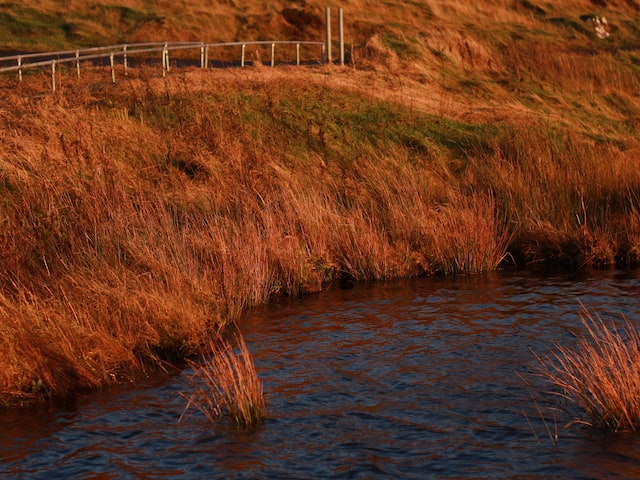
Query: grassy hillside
x=138 y=219
x=419 y=30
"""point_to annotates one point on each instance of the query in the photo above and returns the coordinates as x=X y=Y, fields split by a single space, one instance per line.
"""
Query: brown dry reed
x=136 y=220
x=600 y=375
x=225 y=384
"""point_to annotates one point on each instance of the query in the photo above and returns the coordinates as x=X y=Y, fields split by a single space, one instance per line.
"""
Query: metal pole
x=202 y=57
x=298 y=54
x=20 y=68
x=206 y=56
x=53 y=76
x=328 y=41
x=273 y=54
x=242 y=59
x=164 y=61
x=124 y=60
x=341 y=35
x=113 y=69
x=78 y=64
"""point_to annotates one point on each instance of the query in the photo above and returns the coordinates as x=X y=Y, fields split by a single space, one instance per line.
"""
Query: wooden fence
x=146 y=51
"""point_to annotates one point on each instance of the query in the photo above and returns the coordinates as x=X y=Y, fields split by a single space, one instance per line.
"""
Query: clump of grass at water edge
x=226 y=385
x=597 y=381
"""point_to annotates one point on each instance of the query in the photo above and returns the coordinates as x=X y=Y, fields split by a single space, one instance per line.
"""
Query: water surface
x=414 y=379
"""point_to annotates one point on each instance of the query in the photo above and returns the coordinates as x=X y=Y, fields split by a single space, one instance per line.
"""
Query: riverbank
x=139 y=219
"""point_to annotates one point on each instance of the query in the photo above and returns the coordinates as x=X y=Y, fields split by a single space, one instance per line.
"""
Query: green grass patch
x=338 y=126
x=530 y=7
x=120 y=18
x=405 y=47
x=341 y=125
x=25 y=27
x=28 y=28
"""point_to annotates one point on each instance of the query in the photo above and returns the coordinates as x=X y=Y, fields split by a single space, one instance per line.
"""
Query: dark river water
x=414 y=379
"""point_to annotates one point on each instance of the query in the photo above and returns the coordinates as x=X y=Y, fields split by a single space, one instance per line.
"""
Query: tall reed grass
x=570 y=200
x=138 y=219
x=226 y=385
x=599 y=376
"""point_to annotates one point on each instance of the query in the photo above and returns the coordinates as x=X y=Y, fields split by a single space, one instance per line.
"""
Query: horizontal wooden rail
x=22 y=62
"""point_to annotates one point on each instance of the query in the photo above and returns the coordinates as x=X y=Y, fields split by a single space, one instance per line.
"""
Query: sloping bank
x=137 y=223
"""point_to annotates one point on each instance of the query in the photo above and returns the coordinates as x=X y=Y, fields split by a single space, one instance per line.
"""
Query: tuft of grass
x=226 y=385
x=469 y=236
x=600 y=375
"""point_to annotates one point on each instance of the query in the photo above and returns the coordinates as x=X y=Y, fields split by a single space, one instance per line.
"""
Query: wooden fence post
x=273 y=54
x=20 y=69
x=242 y=58
x=78 y=64
x=298 y=54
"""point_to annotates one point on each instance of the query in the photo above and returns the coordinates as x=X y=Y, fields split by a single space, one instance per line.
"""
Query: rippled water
x=415 y=379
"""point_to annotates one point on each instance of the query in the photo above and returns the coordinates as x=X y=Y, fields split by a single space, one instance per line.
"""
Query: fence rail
x=20 y=63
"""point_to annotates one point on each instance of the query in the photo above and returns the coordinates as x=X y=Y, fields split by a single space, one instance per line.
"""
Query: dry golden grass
x=143 y=216
x=570 y=200
x=141 y=224
x=468 y=236
x=226 y=385
x=599 y=375
x=138 y=219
